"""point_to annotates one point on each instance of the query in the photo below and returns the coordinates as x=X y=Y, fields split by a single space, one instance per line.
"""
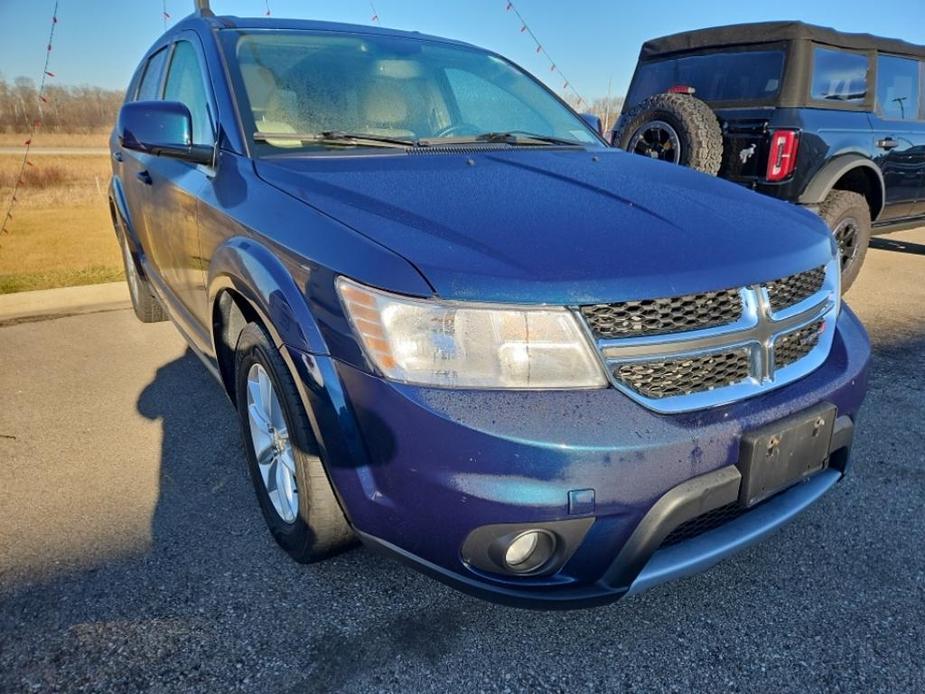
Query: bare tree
x=64 y=109
x=607 y=108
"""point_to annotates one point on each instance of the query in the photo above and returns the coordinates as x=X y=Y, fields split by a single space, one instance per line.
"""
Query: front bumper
x=417 y=470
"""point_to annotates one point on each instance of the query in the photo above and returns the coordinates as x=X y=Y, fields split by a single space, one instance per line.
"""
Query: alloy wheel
x=272 y=447
x=657 y=140
x=846 y=236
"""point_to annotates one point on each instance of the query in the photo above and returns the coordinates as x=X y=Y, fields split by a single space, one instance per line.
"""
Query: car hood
x=557 y=225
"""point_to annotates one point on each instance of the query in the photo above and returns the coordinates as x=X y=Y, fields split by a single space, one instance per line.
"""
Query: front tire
x=293 y=490
x=848 y=216
x=147 y=307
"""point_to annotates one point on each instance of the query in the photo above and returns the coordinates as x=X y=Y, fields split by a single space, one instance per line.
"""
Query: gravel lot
x=133 y=556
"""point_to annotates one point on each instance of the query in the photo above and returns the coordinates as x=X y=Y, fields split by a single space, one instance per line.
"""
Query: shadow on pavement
x=214 y=605
x=888 y=244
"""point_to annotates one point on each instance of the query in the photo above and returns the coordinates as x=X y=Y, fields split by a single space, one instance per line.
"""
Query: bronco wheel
x=147 y=307
x=292 y=487
x=676 y=128
x=848 y=216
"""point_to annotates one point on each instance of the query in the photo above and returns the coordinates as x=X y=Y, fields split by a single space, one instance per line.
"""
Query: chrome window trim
x=755 y=331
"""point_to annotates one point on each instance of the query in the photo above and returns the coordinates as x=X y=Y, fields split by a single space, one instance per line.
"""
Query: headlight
x=430 y=342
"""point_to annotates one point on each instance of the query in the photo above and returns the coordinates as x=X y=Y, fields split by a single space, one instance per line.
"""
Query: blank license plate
x=784 y=452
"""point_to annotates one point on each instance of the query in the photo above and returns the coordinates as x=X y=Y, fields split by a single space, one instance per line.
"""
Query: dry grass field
x=60 y=234
x=50 y=139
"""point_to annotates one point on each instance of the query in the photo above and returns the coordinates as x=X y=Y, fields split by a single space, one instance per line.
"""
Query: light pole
x=203 y=9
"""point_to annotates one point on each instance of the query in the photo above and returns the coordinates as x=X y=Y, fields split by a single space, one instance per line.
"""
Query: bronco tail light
x=681 y=89
x=783 y=155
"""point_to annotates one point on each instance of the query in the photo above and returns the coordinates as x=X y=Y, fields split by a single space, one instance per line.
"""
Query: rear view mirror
x=162 y=128
x=594 y=122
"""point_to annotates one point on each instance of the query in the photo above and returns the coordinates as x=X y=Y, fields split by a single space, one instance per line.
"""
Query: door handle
x=887 y=143
x=117 y=156
x=144 y=177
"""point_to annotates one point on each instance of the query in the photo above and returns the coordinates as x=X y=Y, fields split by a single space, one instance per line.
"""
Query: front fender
x=264 y=281
x=255 y=273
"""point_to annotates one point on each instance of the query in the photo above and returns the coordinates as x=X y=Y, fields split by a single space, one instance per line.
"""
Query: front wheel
x=147 y=307
x=292 y=487
x=848 y=216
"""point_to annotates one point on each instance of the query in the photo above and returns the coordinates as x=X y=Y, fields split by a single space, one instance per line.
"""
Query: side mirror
x=594 y=122
x=162 y=128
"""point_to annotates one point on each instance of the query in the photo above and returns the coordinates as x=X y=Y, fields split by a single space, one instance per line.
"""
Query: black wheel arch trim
x=255 y=276
x=120 y=216
x=122 y=224
x=254 y=273
x=825 y=179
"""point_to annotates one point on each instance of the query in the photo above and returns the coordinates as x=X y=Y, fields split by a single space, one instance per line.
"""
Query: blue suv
x=458 y=327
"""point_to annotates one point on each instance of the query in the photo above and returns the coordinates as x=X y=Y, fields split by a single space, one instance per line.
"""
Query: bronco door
x=899 y=134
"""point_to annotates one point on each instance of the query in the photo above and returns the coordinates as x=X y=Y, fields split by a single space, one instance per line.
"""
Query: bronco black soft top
x=767 y=32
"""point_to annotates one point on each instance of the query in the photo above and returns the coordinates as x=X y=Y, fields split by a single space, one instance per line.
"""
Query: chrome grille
x=671 y=377
x=664 y=316
x=702 y=350
x=790 y=348
x=789 y=291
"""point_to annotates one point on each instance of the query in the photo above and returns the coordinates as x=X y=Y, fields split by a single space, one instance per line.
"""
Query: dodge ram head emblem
x=746 y=154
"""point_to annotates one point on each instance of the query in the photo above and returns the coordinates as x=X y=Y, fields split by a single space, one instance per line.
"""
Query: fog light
x=521 y=548
x=529 y=551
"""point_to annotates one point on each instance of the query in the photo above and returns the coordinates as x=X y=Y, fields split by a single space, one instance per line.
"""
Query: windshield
x=314 y=91
x=721 y=76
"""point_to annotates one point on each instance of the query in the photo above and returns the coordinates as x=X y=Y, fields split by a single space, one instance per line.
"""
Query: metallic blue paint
x=154 y=125
x=600 y=230
x=417 y=469
x=515 y=456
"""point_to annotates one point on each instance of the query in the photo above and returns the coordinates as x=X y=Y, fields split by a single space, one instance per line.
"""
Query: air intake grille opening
x=703 y=523
x=672 y=377
x=664 y=316
x=793 y=346
x=791 y=290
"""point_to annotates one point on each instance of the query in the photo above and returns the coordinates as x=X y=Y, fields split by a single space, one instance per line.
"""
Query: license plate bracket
x=784 y=452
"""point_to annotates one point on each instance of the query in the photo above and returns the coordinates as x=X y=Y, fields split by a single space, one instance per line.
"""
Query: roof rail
x=203 y=9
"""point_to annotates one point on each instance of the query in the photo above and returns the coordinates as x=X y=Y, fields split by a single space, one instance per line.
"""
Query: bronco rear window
x=721 y=76
x=839 y=75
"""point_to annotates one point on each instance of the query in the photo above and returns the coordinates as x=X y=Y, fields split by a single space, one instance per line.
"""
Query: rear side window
x=722 y=76
x=839 y=76
x=185 y=84
x=148 y=89
x=897 y=88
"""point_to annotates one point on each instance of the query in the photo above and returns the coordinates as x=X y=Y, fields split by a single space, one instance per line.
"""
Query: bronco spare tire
x=676 y=128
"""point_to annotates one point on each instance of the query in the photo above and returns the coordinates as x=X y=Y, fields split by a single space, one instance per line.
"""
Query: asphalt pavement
x=133 y=556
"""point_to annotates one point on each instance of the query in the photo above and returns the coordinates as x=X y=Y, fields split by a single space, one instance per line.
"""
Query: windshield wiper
x=338 y=137
x=522 y=137
x=511 y=137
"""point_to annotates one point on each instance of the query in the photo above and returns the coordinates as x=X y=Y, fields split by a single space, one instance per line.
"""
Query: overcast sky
x=100 y=41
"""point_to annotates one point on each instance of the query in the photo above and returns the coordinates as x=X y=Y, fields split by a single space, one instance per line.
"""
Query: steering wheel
x=458 y=129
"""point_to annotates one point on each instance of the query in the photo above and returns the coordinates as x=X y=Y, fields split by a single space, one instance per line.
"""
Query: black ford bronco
x=825 y=119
